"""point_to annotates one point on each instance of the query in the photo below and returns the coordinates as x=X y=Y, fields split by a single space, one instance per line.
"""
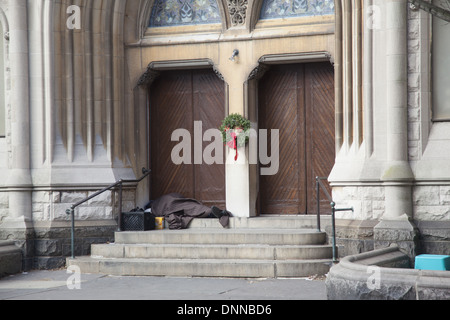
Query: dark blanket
x=179 y=211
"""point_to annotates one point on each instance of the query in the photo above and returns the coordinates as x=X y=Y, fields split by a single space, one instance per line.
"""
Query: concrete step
x=266 y=222
x=211 y=251
x=206 y=236
x=272 y=246
x=239 y=268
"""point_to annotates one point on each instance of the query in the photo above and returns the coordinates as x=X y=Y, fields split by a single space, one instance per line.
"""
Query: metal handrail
x=319 y=185
x=71 y=210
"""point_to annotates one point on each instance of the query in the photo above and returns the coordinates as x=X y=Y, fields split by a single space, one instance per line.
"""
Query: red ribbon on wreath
x=232 y=143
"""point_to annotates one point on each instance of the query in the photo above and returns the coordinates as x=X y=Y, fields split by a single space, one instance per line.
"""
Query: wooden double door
x=177 y=100
x=299 y=101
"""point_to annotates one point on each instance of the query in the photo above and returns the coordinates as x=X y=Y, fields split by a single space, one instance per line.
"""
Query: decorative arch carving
x=237 y=10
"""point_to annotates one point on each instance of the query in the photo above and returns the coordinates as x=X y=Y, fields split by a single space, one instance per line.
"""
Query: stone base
x=434 y=237
x=403 y=233
x=10 y=258
x=21 y=233
x=385 y=274
x=353 y=236
x=53 y=240
x=357 y=236
x=47 y=244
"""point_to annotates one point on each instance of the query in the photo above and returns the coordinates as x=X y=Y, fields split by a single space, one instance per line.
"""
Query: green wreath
x=237 y=124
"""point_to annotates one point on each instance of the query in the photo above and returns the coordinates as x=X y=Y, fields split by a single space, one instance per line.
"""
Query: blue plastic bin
x=432 y=262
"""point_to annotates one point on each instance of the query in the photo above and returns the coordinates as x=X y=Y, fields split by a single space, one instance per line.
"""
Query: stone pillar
x=17 y=225
x=239 y=175
x=396 y=225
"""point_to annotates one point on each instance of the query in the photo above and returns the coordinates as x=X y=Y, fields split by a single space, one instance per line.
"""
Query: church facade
x=94 y=91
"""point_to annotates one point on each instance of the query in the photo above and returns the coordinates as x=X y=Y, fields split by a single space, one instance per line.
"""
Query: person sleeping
x=179 y=211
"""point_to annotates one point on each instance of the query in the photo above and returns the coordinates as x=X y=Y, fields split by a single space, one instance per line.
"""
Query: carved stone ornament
x=258 y=72
x=148 y=77
x=218 y=74
x=238 y=11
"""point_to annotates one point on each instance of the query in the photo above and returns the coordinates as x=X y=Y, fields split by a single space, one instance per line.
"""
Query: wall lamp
x=234 y=55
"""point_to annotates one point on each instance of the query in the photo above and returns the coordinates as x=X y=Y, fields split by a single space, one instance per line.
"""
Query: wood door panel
x=299 y=101
x=209 y=97
x=282 y=193
x=320 y=152
x=170 y=97
x=177 y=99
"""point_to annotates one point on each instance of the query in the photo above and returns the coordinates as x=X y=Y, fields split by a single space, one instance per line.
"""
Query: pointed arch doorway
x=297 y=99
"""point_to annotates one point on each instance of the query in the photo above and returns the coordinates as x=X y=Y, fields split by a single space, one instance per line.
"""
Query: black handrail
x=319 y=185
x=71 y=210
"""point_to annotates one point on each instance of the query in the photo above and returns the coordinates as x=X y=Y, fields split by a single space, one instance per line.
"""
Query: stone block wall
x=432 y=203
x=49 y=242
x=52 y=205
x=431 y=216
x=367 y=202
x=354 y=229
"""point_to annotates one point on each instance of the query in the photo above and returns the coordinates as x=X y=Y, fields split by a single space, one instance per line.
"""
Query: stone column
x=396 y=225
x=18 y=224
x=239 y=175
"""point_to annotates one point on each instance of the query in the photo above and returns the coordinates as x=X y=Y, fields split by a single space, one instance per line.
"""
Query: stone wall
x=95 y=222
x=52 y=205
x=432 y=203
x=49 y=242
x=431 y=216
x=367 y=202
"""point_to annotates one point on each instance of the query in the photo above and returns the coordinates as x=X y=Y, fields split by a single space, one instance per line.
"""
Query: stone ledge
x=370 y=276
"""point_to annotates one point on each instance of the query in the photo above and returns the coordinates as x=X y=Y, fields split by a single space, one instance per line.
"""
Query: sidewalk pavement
x=62 y=285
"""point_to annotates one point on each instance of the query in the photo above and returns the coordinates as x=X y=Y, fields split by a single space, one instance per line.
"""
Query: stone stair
x=268 y=247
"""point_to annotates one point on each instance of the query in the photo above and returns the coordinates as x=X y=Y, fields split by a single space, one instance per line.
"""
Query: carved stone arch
x=223 y=14
x=137 y=18
x=144 y=16
x=254 y=12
